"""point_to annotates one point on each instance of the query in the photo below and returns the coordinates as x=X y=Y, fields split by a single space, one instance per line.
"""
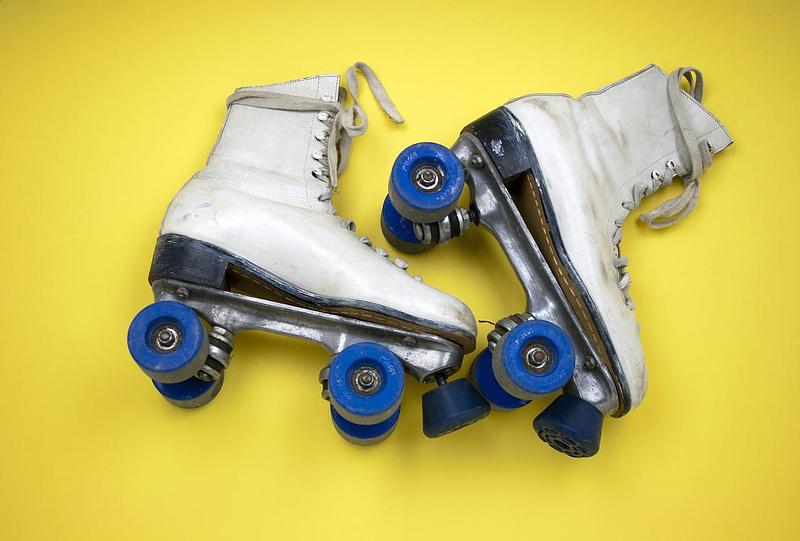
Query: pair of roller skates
x=253 y=242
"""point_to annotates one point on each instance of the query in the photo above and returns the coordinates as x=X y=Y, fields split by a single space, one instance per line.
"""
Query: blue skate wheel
x=483 y=378
x=426 y=182
x=191 y=393
x=364 y=434
x=366 y=383
x=398 y=230
x=534 y=358
x=451 y=406
x=571 y=426
x=168 y=342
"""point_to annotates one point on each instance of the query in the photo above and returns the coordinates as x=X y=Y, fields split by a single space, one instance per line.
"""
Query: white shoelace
x=344 y=123
x=693 y=153
x=695 y=157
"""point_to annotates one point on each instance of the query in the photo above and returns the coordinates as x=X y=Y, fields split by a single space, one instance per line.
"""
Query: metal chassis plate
x=544 y=298
x=422 y=354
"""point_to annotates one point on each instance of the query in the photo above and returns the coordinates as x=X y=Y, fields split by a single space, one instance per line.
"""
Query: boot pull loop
x=695 y=79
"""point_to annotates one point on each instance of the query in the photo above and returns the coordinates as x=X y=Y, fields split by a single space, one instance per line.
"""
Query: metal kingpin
x=208 y=373
x=220 y=349
x=324 y=375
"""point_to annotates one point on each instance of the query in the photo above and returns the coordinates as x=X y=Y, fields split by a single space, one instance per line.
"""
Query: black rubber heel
x=504 y=139
x=180 y=258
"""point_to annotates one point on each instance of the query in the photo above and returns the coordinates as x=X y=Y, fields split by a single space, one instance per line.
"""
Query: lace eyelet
x=656 y=175
x=321 y=136
x=323 y=116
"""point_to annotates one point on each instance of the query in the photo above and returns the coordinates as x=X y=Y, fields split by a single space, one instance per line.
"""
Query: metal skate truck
x=253 y=242
x=553 y=178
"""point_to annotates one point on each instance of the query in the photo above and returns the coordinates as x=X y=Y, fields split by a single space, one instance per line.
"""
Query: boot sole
x=182 y=258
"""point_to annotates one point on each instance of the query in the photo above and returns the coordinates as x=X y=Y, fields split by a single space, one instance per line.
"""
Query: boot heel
x=503 y=138
x=180 y=258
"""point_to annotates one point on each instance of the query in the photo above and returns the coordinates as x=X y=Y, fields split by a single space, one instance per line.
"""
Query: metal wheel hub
x=366 y=380
x=537 y=357
x=165 y=338
x=427 y=178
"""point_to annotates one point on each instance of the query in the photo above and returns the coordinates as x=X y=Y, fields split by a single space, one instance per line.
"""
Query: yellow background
x=106 y=108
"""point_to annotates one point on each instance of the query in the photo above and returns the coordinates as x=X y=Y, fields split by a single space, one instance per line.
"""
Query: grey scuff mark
x=497 y=147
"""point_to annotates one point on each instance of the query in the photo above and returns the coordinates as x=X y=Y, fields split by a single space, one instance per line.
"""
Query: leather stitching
x=366 y=315
x=565 y=280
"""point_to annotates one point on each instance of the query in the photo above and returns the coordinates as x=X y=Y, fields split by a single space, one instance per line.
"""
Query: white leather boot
x=553 y=178
x=253 y=242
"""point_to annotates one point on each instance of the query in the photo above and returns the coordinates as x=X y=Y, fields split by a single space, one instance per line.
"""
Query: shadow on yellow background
x=106 y=108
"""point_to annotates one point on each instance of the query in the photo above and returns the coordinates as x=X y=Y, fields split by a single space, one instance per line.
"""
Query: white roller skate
x=253 y=242
x=553 y=178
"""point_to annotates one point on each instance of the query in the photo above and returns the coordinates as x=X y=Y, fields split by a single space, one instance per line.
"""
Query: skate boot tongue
x=698 y=156
x=347 y=122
